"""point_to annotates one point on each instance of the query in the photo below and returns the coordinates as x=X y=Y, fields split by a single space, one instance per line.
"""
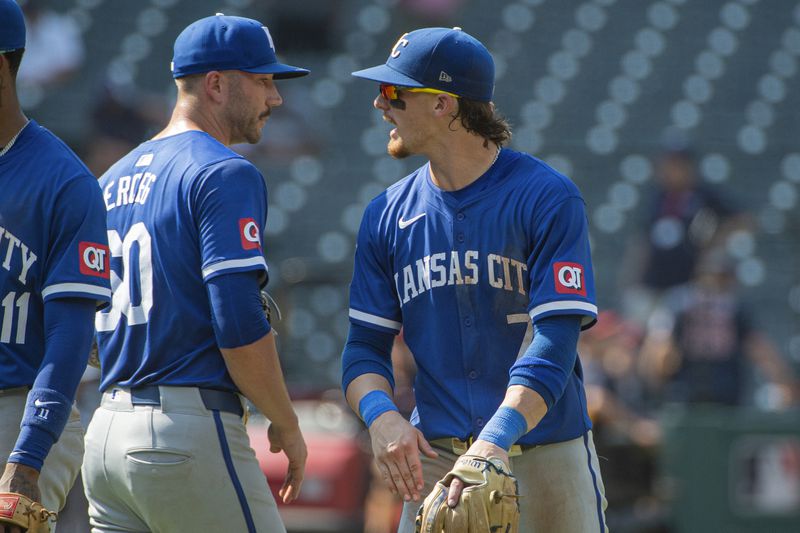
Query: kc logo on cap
x=223 y=42
x=447 y=59
x=402 y=41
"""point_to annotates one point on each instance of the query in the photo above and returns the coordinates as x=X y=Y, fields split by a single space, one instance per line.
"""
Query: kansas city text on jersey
x=28 y=258
x=450 y=268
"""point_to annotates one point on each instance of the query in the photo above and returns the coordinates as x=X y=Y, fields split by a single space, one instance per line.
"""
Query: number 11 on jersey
x=8 y=317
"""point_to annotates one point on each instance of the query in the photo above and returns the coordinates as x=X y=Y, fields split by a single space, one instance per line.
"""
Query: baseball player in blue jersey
x=53 y=272
x=185 y=338
x=482 y=257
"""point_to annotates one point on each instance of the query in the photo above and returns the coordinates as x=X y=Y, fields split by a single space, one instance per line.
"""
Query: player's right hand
x=290 y=441
x=396 y=445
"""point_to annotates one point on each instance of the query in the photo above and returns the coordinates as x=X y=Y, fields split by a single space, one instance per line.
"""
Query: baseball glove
x=19 y=510
x=270 y=307
x=94 y=355
x=489 y=502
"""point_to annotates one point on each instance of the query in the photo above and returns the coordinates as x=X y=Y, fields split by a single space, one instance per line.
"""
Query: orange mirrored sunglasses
x=390 y=92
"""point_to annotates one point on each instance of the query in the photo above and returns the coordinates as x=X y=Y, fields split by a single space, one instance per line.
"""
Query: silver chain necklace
x=10 y=143
x=495 y=157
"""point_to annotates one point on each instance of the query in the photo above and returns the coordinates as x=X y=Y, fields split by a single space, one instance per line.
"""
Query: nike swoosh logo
x=406 y=223
x=39 y=403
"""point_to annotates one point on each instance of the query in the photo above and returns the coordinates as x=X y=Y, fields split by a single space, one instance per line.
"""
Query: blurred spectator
x=54 y=47
x=701 y=339
x=626 y=437
x=614 y=391
x=684 y=217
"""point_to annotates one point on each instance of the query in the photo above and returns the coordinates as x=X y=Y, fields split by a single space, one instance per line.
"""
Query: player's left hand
x=289 y=441
x=480 y=448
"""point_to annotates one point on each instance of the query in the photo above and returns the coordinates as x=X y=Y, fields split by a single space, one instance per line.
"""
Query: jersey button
x=473 y=374
x=468 y=322
x=479 y=422
x=460 y=237
x=460 y=216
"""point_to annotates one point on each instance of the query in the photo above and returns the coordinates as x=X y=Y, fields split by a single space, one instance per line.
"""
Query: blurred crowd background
x=678 y=120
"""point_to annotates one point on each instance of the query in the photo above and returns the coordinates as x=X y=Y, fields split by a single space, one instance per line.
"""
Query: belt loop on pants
x=214 y=400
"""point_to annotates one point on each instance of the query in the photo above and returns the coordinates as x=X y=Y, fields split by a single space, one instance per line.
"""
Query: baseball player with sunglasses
x=482 y=257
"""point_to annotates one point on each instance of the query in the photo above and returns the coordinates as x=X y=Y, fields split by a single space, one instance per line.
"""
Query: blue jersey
x=181 y=210
x=465 y=274
x=52 y=245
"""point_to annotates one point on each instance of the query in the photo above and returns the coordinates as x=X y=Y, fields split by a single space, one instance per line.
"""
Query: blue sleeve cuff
x=69 y=329
x=236 y=313
x=535 y=385
x=46 y=414
x=367 y=351
x=69 y=325
x=550 y=359
x=33 y=445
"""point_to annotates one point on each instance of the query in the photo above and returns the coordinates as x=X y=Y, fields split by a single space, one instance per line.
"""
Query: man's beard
x=397 y=149
x=247 y=126
x=244 y=125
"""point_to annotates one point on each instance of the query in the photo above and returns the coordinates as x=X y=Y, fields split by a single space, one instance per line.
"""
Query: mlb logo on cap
x=228 y=43
x=447 y=59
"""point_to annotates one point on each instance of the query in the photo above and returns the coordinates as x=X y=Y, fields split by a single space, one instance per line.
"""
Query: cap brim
x=280 y=71
x=386 y=74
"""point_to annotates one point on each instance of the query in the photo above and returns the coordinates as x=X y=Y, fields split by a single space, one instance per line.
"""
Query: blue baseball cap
x=12 y=26
x=228 y=43
x=438 y=58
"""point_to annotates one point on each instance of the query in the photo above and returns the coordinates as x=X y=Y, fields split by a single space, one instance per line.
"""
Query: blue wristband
x=374 y=404
x=46 y=415
x=33 y=445
x=505 y=428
